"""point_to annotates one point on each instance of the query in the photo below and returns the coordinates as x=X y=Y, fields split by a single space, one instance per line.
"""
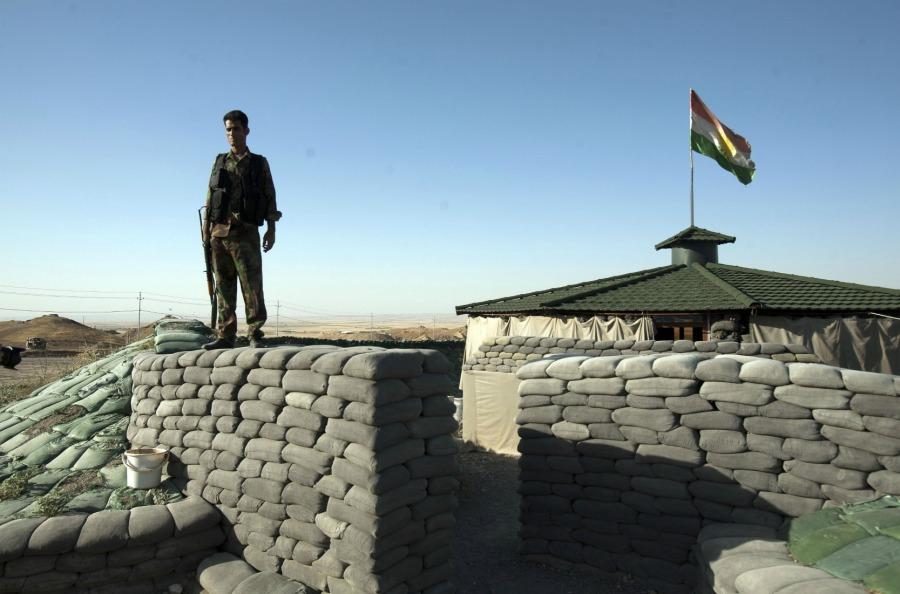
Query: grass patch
x=65 y=415
x=15 y=392
x=15 y=486
x=54 y=502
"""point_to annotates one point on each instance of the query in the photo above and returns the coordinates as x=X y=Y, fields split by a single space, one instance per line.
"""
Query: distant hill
x=59 y=332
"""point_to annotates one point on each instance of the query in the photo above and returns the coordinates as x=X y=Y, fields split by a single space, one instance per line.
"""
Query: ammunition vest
x=247 y=201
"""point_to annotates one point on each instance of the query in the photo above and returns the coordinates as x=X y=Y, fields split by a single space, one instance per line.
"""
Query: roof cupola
x=695 y=245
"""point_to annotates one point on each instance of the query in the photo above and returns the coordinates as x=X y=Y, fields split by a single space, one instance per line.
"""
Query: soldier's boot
x=219 y=343
x=256 y=341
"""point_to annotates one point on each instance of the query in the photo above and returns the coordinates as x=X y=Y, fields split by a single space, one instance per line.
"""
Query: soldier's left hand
x=268 y=240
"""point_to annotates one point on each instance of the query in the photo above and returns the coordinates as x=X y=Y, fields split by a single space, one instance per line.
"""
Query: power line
x=66 y=290
x=196 y=302
x=50 y=311
x=61 y=296
x=174 y=297
x=317 y=310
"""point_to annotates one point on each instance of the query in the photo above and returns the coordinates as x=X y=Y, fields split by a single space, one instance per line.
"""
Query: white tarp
x=869 y=344
x=490 y=406
x=594 y=328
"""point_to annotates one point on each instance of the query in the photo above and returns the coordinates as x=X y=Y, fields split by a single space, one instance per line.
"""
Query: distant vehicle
x=35 y=344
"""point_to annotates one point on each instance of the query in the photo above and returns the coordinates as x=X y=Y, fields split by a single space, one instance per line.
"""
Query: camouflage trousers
x=238 y=257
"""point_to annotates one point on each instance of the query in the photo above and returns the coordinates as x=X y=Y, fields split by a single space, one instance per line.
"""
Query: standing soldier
x=241 y=197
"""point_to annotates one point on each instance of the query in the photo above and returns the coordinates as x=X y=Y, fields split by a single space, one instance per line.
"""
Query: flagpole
x=691 y=151
x=692 y=187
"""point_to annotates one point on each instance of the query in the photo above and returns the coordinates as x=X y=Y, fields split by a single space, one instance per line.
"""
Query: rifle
x=210 y=281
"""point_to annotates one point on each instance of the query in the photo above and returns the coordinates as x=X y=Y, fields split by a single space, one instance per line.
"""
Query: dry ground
x=486 y=540
x=33 y=369
x=32 y=373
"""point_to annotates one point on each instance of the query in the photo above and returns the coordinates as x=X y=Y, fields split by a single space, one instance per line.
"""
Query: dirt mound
x=407 y=334
x=59 y=332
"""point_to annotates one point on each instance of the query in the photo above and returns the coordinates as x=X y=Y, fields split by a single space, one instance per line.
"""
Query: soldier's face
x=236 y=134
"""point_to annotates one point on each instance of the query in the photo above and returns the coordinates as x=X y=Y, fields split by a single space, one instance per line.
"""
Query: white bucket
x=144 y=466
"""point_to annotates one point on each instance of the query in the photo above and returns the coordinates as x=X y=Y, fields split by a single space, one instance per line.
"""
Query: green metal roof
x=695 y=234
x=695 y=288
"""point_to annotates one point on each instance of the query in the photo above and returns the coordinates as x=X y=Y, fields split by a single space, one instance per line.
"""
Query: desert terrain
x=71 y=344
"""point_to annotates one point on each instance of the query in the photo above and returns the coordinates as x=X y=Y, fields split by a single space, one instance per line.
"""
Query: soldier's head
x=236 y=130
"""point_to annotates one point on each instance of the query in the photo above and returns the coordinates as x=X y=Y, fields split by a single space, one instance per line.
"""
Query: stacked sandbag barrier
x=173 y=336
x=146 y=549
x=625 y=459
x=333 y=467
x=506 y=354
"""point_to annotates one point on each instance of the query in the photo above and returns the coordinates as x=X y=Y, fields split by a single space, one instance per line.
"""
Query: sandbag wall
x=624 y=459
x=142 y=550
x=334 y=467
x=506 y=354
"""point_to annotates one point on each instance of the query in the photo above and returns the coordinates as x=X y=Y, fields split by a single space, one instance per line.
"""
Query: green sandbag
x=14 y=506
x=49 y=451
x=15 y=430
x=859 y=559
x=122 y=369
x=69 y=457
x=90 y=501
x=886 y=580
x=127 y=498
x=42 y=483
x=821 y=543
x=85 y=427
x=179 y=337
x=166 y=493
x=95 y=400
x=52 y=409
x=93 y=423
x=882 y=503
x=800 y=527
x=8 y=421
x=38 y=404
x=11 y=444
x=75 y=389
x=178 y=347
x=94 y=457
x=115 y=476
x=892 y=531
x=35 y=442
x=119 y=404
x=876 y=519
x=114 y=433
x=180 y=326
x=107 y=379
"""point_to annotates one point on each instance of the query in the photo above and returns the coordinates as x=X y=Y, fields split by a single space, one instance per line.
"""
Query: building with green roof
x=850 y=325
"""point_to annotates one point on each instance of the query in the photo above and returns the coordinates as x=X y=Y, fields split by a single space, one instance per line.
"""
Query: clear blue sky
x=429 y=154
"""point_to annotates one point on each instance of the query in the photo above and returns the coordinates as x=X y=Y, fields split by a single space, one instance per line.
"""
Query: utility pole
x=140 y=298
x=277 y=315
x=371 y=326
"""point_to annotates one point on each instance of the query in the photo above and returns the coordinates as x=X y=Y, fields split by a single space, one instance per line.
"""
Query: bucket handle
x=151 y=469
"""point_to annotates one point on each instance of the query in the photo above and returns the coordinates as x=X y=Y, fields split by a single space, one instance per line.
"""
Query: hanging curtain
x=868 y=344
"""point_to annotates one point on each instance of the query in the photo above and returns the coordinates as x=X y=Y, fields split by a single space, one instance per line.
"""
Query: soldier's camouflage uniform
x=236 y=256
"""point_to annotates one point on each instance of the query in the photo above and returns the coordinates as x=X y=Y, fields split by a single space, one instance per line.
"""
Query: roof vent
x=695 y=244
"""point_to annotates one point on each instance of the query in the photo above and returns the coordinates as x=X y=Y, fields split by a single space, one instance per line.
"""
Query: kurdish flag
x=714 y=139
